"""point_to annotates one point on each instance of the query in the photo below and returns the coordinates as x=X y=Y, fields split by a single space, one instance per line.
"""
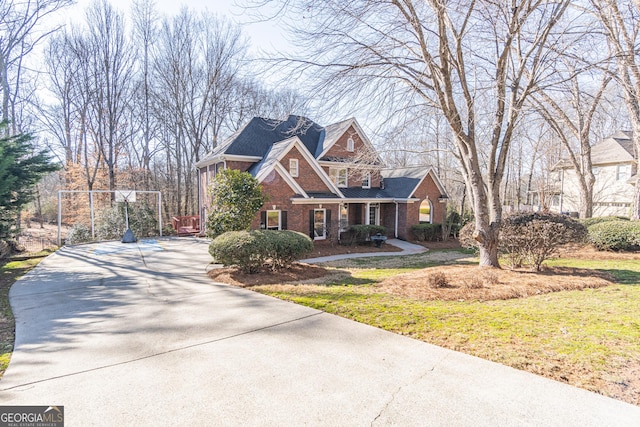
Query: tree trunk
x=487 y=238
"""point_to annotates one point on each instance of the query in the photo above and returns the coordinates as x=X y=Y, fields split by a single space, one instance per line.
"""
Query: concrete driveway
x=126 y=335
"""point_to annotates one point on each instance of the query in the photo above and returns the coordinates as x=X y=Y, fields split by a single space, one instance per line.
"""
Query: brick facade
x=397 y=211
x=361 y=153
x=307 y=177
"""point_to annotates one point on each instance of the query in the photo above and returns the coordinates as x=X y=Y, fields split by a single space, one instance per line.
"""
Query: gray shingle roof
x=365 y=193
x=401 y=187
x=271 y=157
x=257 y=137
x=618 y=148
x=615 y=149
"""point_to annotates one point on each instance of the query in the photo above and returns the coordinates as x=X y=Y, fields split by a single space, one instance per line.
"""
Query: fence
x=36 y=244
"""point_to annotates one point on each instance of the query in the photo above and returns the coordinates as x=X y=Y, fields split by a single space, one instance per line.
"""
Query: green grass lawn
x=588 y=338
x=10 y=272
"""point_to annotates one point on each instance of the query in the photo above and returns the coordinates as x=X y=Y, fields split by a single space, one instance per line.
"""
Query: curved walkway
x=407 y=249
x=138 y=335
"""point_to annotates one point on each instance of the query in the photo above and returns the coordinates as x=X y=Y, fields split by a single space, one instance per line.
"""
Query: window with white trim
x=350 y=144
x=366 y=180
x=338 y=176
x=273 y=220
x=623 y=172
x=293 y=167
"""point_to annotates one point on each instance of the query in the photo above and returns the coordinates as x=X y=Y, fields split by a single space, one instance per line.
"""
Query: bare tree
x=620 y=20
x=452 y=55
x=571 y=121
x=195 y=81
x=20 y=32
x=145 y=32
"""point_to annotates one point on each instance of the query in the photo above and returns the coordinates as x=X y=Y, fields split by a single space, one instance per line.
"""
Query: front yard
x=588 y=337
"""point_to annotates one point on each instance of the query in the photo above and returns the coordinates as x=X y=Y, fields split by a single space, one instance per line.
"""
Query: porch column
x=396 y=230
x=367 y=213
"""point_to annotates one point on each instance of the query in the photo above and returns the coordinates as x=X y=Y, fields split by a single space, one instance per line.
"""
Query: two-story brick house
x=320 y=180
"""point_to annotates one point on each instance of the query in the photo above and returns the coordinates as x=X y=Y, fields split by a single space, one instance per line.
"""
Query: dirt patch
x=298 y=272
x=451 y=283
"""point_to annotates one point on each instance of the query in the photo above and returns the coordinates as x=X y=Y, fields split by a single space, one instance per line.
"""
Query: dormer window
x=293 y=167
x=366 y=180
x=350 y=144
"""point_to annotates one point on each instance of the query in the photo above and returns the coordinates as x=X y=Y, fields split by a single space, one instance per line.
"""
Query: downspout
x=396 y=230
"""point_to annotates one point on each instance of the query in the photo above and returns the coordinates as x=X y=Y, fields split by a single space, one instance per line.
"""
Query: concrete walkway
x=407 y=249
x=137 y=335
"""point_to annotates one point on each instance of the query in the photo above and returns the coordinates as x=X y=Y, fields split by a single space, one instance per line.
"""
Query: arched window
x=426 y=208
x=350 y=144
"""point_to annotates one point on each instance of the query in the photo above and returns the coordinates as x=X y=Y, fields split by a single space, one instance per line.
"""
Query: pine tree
x=21 y=167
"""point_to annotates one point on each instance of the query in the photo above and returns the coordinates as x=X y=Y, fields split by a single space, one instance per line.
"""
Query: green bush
x=142 y=219
x=110 y=223
x=246 y=249
x=362 y=233
x=285 y=247
x=78 y=233
x=617 y=235
x=588 y=222
x=251 y=250
x=236 y=197
x=427 y=232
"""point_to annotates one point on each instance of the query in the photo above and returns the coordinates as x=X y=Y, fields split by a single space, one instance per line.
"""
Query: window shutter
x=263 y=219
x=283 y=220
x=327 y=220
x=311 y=234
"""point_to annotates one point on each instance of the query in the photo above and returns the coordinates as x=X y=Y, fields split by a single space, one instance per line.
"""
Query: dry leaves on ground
x=475 y=283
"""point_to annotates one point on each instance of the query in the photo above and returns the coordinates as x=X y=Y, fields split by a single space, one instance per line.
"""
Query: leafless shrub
x=437 y=280
x=475 y=282
x=490 y=277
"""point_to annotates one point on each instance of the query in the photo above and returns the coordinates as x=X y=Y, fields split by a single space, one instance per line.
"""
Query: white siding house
x=614 y=165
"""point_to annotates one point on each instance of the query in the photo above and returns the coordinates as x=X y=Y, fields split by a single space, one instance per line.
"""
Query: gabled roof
x=331 y=135
x=335 y=131
x=256 y=137
x=617 y=148
x=272 y=160
x=403 y=182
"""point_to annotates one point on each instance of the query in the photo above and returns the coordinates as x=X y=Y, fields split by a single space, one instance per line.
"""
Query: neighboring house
x=320 y=180
x=614 y=166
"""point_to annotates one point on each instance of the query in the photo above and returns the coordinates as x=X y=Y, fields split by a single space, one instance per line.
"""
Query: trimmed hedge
x=362 y=233
x=588 y=222
x=286 y=246
x=427 y=232
x=252 y=250
x=616 y=235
